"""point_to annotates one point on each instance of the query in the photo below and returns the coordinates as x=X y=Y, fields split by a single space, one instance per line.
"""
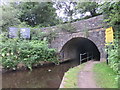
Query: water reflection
x=45 y=77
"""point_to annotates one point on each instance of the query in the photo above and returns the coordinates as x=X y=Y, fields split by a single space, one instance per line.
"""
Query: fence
x=87 y=56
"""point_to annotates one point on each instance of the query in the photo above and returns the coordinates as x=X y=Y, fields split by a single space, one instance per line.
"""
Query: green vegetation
x=105 y=76
x=91 y=7
x=37 y=13
x=42 y=14
x=71 y=77
x=34 y=14
x=8 y=19
x=111 y=15
x=68 y=27
x=111 y=12
x=27 y=52
x=65 y=7
x=113 y=57
x=37 y=34
x=86 y=33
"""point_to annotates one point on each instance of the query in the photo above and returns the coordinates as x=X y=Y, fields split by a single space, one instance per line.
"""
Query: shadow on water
x=44 y=77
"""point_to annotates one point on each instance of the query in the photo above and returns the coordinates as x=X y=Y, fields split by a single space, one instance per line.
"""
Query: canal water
x=42 y=77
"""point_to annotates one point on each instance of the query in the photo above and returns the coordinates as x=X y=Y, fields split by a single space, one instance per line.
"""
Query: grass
x=71 y=77
x=105 y=77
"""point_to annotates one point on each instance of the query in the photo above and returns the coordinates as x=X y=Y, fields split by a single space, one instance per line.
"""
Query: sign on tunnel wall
x=14 y=32
x=109 y=35
x=25 y=32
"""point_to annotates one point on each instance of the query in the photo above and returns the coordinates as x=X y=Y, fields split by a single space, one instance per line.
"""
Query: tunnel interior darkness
x=76 y=46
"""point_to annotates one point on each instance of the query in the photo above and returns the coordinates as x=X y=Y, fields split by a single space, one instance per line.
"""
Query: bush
x=37 y=34
x=113 y=57
x=27 y=52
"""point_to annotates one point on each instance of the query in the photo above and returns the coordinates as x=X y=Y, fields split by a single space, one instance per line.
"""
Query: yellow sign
x=109 y=35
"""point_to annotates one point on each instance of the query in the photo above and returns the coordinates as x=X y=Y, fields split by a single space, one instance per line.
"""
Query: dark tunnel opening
x=79 y=46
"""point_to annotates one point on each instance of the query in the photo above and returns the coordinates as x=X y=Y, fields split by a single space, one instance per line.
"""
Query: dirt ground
x=86 y=76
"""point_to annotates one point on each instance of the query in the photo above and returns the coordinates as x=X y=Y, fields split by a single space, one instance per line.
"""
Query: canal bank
x=22 y=67
x=70 y=77
x=81 y=76
x=41 y=77
x=92 y=74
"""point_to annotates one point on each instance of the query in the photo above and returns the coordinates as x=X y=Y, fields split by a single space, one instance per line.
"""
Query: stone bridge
x=89 y=36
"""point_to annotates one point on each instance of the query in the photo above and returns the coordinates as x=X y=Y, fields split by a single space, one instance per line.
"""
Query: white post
x=80 y=58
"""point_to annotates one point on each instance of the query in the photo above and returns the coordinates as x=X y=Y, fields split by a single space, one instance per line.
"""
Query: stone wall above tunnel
x=89 y=24
x=81 y=25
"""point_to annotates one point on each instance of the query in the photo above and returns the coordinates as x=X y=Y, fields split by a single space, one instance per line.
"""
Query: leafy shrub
x=111 y=12
x=37 y=34
x=68 y=27
x=27 y=52
x=51 y=36
x=113 y=57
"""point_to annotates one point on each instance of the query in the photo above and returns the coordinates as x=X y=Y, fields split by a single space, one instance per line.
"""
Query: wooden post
x=107 y=56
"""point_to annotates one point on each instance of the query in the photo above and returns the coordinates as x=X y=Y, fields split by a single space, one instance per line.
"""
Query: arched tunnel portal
x=79 y=45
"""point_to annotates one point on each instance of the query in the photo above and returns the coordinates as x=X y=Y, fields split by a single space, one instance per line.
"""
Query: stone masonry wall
x=95 y=32
x=96 y=36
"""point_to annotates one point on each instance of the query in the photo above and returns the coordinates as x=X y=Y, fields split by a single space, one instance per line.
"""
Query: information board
x=109 y=35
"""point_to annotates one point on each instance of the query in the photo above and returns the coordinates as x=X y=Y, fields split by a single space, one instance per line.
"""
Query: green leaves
x=91 y=7
x=26 y=52
x=68 y=27
x=38 y=13
x=113 y=57
x=28 y=14
x=9 y=16
x=111 y=12
x=37 y=34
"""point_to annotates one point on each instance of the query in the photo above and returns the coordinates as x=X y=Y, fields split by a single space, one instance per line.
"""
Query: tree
x=9 y=16
x=88 y=7
x=38 y=13
x=68 y=9
x=111 y=11
x=112 y=15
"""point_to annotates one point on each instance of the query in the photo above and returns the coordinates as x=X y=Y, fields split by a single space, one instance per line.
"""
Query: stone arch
x=76 y=45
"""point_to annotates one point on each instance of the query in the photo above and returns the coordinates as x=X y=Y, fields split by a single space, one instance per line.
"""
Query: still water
x=42 y=77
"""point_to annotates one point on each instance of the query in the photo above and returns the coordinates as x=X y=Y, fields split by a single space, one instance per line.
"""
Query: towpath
x=86 y=76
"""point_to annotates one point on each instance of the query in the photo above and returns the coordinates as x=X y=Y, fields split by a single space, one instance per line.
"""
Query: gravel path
x=86 y=79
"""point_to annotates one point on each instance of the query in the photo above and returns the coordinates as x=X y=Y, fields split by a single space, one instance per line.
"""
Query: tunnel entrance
x=76 y=46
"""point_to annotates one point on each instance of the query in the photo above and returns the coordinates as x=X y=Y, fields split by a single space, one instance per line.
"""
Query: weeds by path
x=105 y=76
x=71 y=77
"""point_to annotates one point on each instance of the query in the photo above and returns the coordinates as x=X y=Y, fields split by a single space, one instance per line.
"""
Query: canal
x=42 y=77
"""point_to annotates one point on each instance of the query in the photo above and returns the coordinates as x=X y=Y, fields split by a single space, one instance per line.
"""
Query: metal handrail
x=88 y=56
